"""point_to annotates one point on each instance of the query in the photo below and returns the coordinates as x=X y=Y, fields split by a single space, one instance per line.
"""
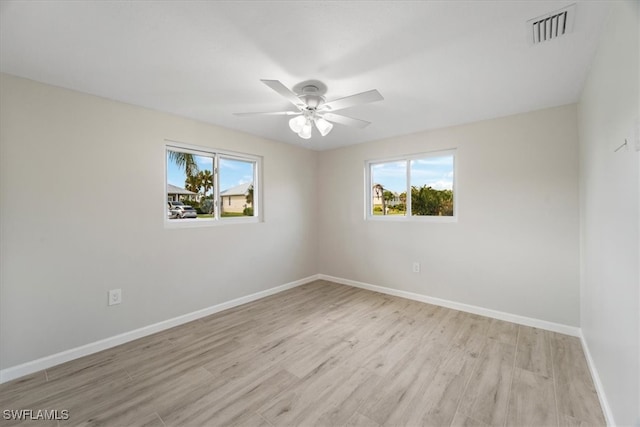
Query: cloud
x=436 y=172
x=389 y=169
x=204 y=163
x=441 y=185
x=245 y=179
x=425 y=174
x=235 y=164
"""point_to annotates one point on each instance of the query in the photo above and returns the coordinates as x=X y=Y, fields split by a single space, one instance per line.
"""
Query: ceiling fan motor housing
x=311 y=97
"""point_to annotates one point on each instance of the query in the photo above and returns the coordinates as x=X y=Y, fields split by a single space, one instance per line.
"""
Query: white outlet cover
x=115 y=296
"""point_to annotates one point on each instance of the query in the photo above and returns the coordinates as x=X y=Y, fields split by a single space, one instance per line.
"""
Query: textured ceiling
x=436 y=63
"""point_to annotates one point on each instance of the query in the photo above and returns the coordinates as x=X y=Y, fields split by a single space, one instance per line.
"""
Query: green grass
x=224 y=215
x=229 y=214
x=390 y=213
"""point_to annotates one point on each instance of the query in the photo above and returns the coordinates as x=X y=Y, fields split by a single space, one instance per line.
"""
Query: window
x=236 y=183
x=416 y=186
x=208 y=186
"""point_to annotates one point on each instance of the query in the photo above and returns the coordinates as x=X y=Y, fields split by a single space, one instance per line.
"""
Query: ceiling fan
x=313 y=109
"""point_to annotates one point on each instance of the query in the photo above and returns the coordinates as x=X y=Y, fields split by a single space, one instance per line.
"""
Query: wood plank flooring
x=328 y=355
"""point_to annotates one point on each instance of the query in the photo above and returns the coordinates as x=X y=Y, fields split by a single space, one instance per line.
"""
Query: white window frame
x=368 y=193
x=216 y=154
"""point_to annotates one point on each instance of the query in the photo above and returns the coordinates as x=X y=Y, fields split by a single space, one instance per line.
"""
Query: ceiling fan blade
x=270 y=113
x=284 y=91
x=344 y=120
x=349 y=101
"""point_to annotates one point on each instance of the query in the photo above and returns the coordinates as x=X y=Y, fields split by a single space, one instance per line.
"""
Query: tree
x=207 y=206
x=379 y=190
x=250 y=195
x=388 y=196
x=184 y=160
x=446 y=205
x=192 y=183
x=206 y=181
x=423 y=201
x=428 y=201
x=402 y=206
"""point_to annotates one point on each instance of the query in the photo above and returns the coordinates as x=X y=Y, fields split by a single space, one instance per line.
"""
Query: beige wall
x=69 y=232
x=610 y=208
x=515 y=245
x=234 y=203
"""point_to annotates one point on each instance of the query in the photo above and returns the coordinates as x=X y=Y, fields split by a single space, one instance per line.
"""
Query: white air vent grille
x=552 y=25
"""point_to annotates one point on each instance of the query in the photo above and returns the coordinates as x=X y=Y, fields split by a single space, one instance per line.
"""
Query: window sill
x=403 y=218
x=205 y=222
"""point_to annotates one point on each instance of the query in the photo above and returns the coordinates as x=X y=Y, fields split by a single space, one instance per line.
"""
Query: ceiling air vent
x=552 y=25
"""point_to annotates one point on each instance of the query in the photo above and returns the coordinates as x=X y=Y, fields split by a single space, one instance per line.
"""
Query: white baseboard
x=509 y=317
x=608 y=415
x=14 y=372
x=27 y=368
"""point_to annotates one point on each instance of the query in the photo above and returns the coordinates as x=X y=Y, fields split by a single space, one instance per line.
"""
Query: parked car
x=180 y=210
x=185 y=212
x=172 y=204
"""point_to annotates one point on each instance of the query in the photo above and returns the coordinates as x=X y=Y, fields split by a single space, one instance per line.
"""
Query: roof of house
x=172 y=189
x=238 y=190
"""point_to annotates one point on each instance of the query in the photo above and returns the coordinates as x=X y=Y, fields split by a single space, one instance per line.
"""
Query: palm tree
x=388 y=196
x=184 y=160
x=379 y=190
x=206 y=181
x=403 y=201
x=192 y=183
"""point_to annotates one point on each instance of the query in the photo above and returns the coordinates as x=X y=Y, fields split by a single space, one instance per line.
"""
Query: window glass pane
x=189 y=186
x=236 y=187
x=389 y=188
x=432 y=186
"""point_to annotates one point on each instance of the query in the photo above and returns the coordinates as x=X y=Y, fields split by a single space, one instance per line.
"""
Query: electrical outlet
x=115 y=296
x=416 y=267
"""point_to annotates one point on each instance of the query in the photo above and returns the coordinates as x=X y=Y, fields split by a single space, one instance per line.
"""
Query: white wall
x=609 y=189
x=515 y=245
x=81 y=211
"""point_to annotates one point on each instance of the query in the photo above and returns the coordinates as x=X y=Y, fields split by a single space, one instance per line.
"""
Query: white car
x=185 y=212
x=180 y=210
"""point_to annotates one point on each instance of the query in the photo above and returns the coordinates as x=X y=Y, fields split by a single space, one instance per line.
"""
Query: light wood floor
x=324 y=354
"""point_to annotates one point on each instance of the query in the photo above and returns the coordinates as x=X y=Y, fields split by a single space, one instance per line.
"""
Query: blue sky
x=436 y=172
x=232 y=172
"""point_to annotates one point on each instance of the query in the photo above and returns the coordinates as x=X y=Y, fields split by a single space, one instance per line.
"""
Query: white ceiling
x=437 y=63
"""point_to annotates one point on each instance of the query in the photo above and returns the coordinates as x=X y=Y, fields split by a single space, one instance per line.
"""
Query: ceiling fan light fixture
x=305 y=135
x=305 y=132
x=297 y=123
x=324 y=127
